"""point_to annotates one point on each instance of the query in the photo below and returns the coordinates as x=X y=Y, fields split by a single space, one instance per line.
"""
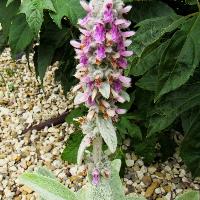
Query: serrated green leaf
x=190 y=146
x=149 y=81
x=7 y=14
x=20 y=35
x=189 y=195
x=191 y=2
x=51 y=39
x=47 y=188
x=71 y=150
x=70 y=8
x=149 y=58
x=149 y=9
x=146 y=149
x=9 y=2
x=169 y=108
x=3 y=41
x=126 y=127
x=180 y=59
x=33 y=9
x=151 y=30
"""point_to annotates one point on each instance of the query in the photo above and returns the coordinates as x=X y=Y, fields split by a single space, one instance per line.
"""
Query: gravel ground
x=23 y=102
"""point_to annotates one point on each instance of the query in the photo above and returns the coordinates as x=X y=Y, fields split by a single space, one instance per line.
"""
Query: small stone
x=151 y=170
x=150 y=190
x=26 y=189
x=167 y=188
x=130 y=163
x=147 y=180
x=158 y=191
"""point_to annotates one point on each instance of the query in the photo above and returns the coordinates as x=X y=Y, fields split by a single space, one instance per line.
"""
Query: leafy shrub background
x=165 y=95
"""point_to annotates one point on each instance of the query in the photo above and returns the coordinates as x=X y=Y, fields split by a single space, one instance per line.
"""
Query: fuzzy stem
x=97 y=149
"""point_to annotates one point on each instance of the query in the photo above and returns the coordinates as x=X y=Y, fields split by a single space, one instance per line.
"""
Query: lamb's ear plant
x=102 y=54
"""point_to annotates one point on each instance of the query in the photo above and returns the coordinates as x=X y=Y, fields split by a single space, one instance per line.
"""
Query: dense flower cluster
x=102 y=54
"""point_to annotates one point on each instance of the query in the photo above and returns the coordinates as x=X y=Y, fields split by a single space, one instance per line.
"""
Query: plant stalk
x=97 y=149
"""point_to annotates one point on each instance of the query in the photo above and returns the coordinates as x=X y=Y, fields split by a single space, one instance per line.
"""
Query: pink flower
x=108 y=13
x=122 y=63
x=117 y=86
x=100 y=33
x=101 y=52
x=95 y=177
x=115 y=33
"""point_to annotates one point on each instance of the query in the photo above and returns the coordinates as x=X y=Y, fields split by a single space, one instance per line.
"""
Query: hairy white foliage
x=108 y=133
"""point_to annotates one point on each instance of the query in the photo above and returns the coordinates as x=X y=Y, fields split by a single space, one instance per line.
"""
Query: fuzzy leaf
x=85 y=143
x=193 y=195
x=47 y=188
x=105 y=90
x=190 y=146
x=70 y=8
x=108 y=133
x=20 y=35
x=33 y=9
x=45 y=172
x=71 y=150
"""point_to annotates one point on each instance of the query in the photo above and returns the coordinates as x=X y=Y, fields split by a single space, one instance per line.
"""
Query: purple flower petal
x=108 y=14
x=126 y=9
x=95 y=177
x=122 y=62
x=100 y=33
x=115 y=33
x=101 y=52
x=117 y=86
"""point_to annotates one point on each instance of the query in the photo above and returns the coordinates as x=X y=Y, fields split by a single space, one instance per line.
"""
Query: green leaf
x=149 y=58
x=149 y=81
x=9 y=2
x=108 y=133
x=115 y=181
x=146 y=149
x=45 y=172
x=7 y=14
x=189 y=195
x=144 y=10
x=70 y=8
x=77 y=112
x=181 y=57
x=33 y=9
x=47 y=188
x=126 y=127
x=51 y=39
x=135 y=197
x=190 y=147
x=20 y=35
x=151 y=30
x=169 y=108
x=3 y=41
x=71 y=150
x=191 y=2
